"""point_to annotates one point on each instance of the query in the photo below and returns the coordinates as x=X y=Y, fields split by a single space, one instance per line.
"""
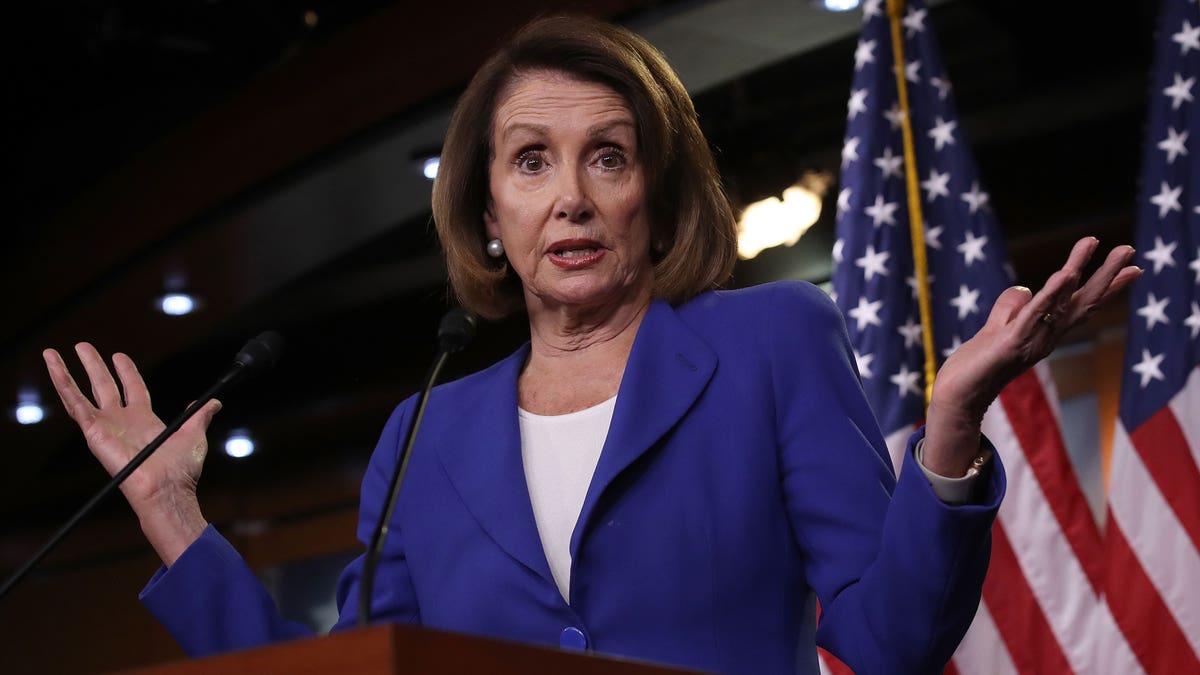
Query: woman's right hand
x=162 y=491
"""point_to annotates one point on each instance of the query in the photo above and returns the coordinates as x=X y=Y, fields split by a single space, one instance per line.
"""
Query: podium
x=406 y=650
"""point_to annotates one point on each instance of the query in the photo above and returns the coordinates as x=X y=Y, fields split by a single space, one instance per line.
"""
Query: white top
x=559 y=453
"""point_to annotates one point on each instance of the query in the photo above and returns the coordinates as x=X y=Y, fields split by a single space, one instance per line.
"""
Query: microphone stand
x=456 y=329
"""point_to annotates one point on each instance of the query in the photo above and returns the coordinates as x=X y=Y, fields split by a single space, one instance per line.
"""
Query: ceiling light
x=239 y=444
x=781 y=222
x=30 y=413
x=177 y=304
x=429 y=166
x=837 y=5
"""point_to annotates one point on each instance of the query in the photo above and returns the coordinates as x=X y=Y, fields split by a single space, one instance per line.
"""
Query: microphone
x=454 y=332
x=257 y=355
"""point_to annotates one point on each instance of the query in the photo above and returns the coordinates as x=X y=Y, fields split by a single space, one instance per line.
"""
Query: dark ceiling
x=141 y=134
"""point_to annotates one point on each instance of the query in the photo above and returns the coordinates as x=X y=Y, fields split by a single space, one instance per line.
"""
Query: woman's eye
x=530 y=161
x=611 y=159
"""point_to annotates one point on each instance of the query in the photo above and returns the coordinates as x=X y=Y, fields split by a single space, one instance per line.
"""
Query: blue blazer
x=742 y=476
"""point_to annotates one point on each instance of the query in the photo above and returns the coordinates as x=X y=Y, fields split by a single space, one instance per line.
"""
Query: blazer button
x=572 y=638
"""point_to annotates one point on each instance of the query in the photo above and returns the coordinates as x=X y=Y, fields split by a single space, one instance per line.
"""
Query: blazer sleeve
x=211 y=602
x=898 y=572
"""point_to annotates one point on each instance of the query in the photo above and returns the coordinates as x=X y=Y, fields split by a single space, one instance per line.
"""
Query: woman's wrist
x=952 y=440
x=171 y=522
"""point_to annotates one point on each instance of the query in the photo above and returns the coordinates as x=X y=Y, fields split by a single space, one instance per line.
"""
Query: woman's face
x=567 y=193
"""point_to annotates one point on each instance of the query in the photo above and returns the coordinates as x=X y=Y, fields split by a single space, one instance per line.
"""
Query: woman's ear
x=490 y=223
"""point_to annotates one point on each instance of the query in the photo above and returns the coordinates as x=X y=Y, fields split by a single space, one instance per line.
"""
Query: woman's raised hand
x=1021 y=330
x=162 y=491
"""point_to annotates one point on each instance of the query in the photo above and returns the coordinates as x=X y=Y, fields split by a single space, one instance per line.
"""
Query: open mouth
x=574 y=252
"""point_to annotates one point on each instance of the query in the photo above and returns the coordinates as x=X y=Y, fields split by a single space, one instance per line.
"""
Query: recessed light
x=429 y=166
x=239 y=444
x=177 y=304
x=30 y=413
x=837 y=5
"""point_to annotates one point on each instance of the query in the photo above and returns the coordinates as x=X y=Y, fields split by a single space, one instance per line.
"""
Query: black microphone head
x=260 y=353
x=456 y=329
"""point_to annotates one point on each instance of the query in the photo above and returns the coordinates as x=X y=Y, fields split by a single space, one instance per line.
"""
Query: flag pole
x=895 y=8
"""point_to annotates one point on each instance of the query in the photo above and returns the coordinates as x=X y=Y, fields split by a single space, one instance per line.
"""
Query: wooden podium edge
x=408 y=650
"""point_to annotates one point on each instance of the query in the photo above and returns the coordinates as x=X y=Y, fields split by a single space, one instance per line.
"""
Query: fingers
x=76 y=404
x=136 y=393
x=1101 y=285
x=104 y=388
x=1009 y=304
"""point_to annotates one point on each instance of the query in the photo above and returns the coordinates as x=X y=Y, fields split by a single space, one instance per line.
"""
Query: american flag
x=1152 y=537
x=1041 y=604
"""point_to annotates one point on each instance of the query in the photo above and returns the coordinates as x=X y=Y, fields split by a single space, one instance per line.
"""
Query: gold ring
x=1048 y=319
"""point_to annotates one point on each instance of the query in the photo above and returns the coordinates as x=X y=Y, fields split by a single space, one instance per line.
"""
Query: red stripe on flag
x=1036 y=429
x=833 y=664
x=1017 y=615
x=1147 y=623
x=950 y=669
x=1160 y=443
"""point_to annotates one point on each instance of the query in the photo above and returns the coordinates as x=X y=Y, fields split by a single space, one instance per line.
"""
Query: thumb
x=205 y=415
x=1008 y=305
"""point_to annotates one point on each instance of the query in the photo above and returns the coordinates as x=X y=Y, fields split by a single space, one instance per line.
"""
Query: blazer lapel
x=483 y=461
x=668 y=368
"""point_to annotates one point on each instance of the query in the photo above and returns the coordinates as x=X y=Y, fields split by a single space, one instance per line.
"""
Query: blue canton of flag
x=1162 y=344
x=873 y=278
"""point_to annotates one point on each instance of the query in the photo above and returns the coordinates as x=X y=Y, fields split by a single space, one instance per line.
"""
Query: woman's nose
x=573 y=203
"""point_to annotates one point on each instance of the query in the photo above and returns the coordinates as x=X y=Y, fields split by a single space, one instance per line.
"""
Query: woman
x=664 y=471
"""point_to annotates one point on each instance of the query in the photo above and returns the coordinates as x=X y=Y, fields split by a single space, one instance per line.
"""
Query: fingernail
x=1023 y=288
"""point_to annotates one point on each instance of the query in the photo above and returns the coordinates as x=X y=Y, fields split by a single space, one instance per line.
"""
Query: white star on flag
x=894 y=115
x=1155 y=311
x=1188 y=38
x=966 y=302
x=954 y=345
x=849 y=151
x=843 y=200
x=866 y=313
x=1180 y=91
x=910 y=72
x=906 y=381
x=914 y=21
x=882 y=212
x=911 y=330
x=864 y=364
x=1162 y=254
x=942 y=133
x=1193 y=320
x=942 y=85
x=864 y=54
x=975 y=198
x=972 y=248
x=889 y=164
x=873 y=263
x=912 y=283
x=938 y=185
x=1195 y=265
x=931 y=237
x=1148 y=367
x=1167 y=199
x=1173 y=144
x=871 y=8
x=838 y=246
x=858 y=103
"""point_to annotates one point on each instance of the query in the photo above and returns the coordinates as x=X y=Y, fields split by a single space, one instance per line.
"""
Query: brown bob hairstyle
x=693 y=232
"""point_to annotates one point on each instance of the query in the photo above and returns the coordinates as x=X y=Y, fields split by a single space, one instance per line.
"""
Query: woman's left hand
x=1021 y=330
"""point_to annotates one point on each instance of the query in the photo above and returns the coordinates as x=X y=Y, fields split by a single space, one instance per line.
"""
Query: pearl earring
x=495 y=248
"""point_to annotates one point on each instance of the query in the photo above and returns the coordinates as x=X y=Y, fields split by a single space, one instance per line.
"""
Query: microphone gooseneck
x=256 y=356
x=454 y=332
